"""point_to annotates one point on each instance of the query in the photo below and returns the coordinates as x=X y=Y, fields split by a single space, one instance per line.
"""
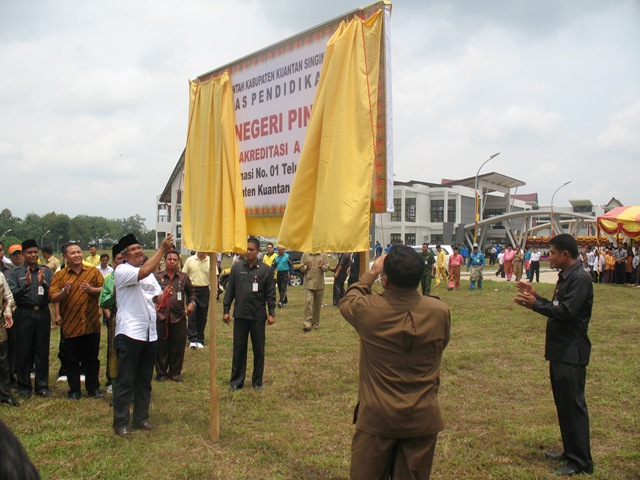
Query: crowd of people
x=608 y=264
x=146 y=322
x=154 y=308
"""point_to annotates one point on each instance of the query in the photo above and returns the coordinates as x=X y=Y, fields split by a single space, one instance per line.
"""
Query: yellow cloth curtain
x=329 y=205
x=213 y=218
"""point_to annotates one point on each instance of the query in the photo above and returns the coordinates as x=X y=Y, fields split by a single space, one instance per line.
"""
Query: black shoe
x=44 y=393
x=555 y=456
x=573 y=470
x=12 y=402
x=161 y=378
x=74 y=395
x=96 y=394
x=145 y=426
x=234 y=388
x=257 y=388
x=177 y=378
x=25 y=395
x=124 y=432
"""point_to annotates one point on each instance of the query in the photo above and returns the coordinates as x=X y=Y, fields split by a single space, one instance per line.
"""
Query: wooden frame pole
x=214 y=391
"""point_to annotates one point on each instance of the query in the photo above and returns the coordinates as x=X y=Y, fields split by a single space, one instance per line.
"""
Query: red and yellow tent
x=621 y=221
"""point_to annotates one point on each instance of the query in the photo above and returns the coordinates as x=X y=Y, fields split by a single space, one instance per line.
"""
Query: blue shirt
x=476 y=260
x=282 y=263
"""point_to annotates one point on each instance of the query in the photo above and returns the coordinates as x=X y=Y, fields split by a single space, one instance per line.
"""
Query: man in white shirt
x=135 y=338
x=535 y=265
x=104 y=267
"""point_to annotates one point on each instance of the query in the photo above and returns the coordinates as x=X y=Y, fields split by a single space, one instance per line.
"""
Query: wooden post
x=364 y=263
x=214 y=391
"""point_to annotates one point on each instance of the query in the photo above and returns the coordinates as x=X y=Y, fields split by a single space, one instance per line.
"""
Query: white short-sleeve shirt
x=136 y=315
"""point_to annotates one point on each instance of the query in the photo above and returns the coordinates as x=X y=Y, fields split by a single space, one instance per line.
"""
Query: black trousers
x=136 y=359
x=620 y=274
x=198 y=321
x=282 y=279
x=171 y=345
x=535 y=269
x=82 y=355
x=242 y=328
x=32 y=334
x=338 y=288
x=5 y=377
x=567 y=384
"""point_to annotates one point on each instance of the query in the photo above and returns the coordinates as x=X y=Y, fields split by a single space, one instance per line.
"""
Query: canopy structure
x=544 y=241
x=621 y=221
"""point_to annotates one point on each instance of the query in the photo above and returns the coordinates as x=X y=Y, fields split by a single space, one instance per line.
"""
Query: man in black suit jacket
x=567 y=348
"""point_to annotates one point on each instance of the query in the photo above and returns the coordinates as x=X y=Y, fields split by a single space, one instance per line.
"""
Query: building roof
x=581 y=203
x=418 y=182
x=165 y=196
x=493 y=177
x=613 y=203
x=526 y=197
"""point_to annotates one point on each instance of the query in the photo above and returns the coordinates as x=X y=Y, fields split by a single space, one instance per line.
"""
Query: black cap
x=127 y=241
x=115 y=250
x=30 y=243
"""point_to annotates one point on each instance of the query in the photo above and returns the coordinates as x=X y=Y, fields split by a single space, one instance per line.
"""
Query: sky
x=94 y=95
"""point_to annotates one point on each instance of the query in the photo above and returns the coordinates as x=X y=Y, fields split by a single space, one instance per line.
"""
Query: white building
x=169 y=208
x=438 y=213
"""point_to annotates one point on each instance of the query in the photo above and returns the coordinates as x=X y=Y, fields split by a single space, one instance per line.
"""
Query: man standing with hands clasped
x=567 y=348
x=402 y=337
x=251 y=285
x=77 y=288
x=29 y=285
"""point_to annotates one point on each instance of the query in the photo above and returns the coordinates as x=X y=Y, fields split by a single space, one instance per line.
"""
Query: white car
x=448 y=250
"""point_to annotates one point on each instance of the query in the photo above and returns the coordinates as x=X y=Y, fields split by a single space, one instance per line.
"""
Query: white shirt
x=590 y=258
x=136 y=316
x=535 y=256
x=106 y=271
x=501 y=258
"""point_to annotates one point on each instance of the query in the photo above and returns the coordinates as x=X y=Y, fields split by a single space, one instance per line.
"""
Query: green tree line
x=55 y=229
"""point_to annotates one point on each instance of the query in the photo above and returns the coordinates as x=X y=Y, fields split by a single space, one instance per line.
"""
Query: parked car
x=448 y=250
x=294 y=281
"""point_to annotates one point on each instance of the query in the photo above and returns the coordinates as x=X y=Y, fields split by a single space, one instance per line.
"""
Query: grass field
x=495 y=397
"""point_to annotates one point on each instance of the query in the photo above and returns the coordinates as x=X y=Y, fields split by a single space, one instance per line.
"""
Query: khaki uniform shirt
x=402 y=337
x=314 y=276
x=53 y=263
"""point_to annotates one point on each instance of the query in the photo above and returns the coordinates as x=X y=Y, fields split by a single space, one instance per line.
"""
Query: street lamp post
x=42 y=238
x=3 y=235
x=58 y=243
x=552 y=197
x=102 y=238
x=475 y=229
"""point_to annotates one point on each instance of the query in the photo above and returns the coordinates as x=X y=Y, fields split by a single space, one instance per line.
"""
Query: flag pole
x=214 y=391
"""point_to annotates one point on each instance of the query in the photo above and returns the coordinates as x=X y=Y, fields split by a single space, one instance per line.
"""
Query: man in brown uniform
x=313 y=265
x=172 y=318
x=402 y=334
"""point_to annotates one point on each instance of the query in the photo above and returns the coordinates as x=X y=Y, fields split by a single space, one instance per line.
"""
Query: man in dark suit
x=567 y=348
x=403 y=335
